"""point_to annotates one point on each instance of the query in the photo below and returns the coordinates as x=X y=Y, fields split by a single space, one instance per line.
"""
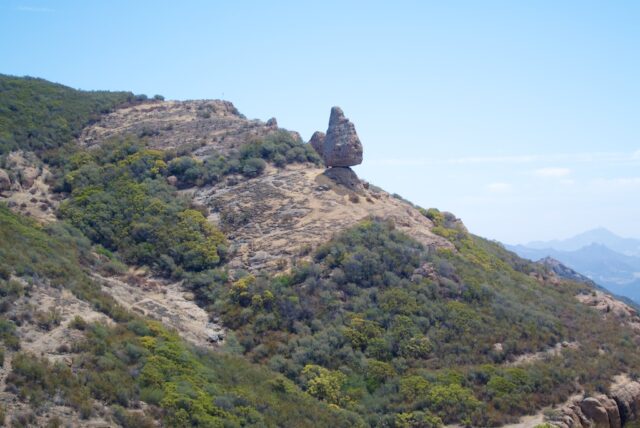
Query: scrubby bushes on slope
x=136 y=359
x=121 y=200
x=380 y=325
x=36 y=114
x=143 y=361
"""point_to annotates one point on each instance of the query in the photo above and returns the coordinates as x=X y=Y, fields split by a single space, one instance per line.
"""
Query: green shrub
x=36 y=114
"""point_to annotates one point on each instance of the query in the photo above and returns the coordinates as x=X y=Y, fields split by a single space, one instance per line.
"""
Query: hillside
x=186 y=266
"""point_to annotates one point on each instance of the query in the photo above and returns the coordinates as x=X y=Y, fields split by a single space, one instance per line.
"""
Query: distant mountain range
x=608 y=259
x=626 y=246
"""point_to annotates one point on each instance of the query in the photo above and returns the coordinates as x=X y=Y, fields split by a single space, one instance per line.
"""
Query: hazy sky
x=521 y=118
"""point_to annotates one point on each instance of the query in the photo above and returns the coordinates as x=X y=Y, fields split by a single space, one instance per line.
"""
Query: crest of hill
x=204 y=126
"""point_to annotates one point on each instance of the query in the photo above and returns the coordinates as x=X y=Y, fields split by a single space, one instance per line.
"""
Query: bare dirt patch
x=166 y=302
x=283 y=214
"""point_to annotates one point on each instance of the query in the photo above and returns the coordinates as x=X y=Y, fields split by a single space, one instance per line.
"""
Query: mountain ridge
x=620 y=273
x=599 y=235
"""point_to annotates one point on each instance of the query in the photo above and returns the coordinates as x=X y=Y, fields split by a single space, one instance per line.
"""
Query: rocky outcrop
x=615 y=410
x=278 y=218
x=342 y=147
x=602 y=411
x=317 y=141
x=5 y=181
x=611 y=307
x=563 y=271
x=627 y=397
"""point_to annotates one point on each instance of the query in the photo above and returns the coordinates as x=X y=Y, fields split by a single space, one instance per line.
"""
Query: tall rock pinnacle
x=341 y=146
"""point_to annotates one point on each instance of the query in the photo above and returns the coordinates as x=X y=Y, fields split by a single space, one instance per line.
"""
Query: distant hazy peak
x=599 y=236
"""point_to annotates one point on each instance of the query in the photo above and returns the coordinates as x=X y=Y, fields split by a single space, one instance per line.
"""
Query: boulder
x=611 y=407
x=5 y=181
x=595 y=412
x=317 y=142
x=342 y=147
x=345 y=177
x=627 y=396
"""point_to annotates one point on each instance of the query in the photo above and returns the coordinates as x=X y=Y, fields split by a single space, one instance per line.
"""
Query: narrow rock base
x=345 y=177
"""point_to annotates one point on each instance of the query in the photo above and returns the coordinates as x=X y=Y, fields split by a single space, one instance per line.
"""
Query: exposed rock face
x=627 y=396
x=610 y=307
x=594 y=409
x=172 y=180
x=604 y=411
x=317 y=142
x=273 y=219
x=342 y=146
x=563 y=271
x=5 y=181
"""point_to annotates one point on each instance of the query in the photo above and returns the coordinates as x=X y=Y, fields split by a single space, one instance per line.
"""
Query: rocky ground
x=285 y=213
x=203 y=124
x=165 y=302
x=45 y=314
x=622 y=403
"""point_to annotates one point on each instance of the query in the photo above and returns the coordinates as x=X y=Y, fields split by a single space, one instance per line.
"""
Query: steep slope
x=74 y=356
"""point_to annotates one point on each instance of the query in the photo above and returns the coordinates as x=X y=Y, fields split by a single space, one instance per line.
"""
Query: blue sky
x=519 y=117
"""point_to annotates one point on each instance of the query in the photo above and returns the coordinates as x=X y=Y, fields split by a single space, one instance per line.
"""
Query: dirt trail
x=554 y=351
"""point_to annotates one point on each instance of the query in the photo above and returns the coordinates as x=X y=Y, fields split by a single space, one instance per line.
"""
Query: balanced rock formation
x=340 y=148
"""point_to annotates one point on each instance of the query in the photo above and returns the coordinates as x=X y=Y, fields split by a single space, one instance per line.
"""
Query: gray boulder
x=627 y=396
x=595 y=411
x=317 y=142
x=345 y=177
x=342 y=147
